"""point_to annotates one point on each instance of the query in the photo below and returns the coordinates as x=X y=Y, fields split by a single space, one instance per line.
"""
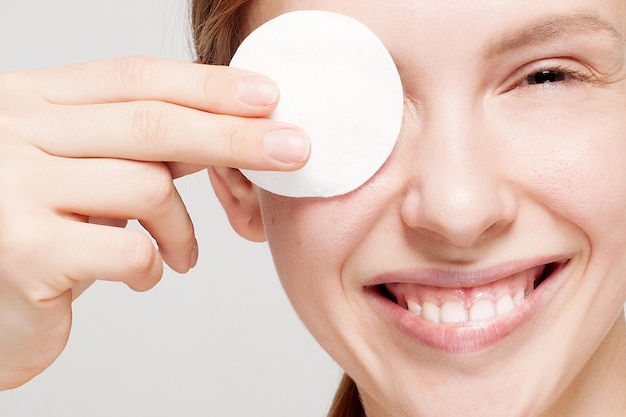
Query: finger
x=93 y=252
x=80 y=288
x=73 y=253
x=155 y=131
x=180 y=169
x=218 y=89
x=103 y=221
x=121 y=189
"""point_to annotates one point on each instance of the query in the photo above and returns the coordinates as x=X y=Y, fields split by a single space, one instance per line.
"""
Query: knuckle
x=145 y=267
x=6 y=125
x=9 y=82
x=133 y=73
x=213 y=81
x=14 y=82
x=234 y=141
x=147 y=126
x=206 y=83
x=142 y=254
x=22 y=241
x=157 y=188
x=11 y=170
x=15 y=125
x=22 y=170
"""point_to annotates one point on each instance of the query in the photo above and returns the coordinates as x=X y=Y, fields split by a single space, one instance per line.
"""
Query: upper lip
x=454 y=277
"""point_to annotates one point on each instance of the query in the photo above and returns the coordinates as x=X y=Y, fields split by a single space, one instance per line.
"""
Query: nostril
x=462 y=205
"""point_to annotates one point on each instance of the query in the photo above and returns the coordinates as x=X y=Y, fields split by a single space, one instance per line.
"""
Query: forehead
x=424 y=20
x=438 y=37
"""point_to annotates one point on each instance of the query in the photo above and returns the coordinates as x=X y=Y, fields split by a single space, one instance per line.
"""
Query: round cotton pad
x=339 y=83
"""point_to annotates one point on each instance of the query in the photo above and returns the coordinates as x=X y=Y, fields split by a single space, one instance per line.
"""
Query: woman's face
x=510 y=174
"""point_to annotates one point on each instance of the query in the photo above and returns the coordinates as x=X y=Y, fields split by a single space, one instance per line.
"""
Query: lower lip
x=472 y=336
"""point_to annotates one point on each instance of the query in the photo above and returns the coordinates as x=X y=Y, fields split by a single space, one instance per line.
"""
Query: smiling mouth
x=468 y=305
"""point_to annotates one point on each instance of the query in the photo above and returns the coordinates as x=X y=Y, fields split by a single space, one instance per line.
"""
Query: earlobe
x=240 y=201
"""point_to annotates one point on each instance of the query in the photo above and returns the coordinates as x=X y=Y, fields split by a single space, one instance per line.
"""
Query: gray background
x=220 y=341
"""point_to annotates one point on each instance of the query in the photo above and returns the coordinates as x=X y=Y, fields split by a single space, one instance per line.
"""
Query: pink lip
x=458 y=278
x=472 y=336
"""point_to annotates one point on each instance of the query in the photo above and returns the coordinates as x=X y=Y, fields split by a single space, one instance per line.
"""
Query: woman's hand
x=81 y=151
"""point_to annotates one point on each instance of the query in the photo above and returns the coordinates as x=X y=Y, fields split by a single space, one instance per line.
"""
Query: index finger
x=157 y=131
x=216 y=89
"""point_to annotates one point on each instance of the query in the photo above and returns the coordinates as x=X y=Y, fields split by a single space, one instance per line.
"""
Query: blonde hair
x=217 y=32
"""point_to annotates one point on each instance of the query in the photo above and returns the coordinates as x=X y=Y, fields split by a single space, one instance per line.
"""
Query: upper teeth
x=456 y=312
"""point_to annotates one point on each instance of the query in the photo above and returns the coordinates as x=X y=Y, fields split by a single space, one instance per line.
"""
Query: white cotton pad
x=339 y=83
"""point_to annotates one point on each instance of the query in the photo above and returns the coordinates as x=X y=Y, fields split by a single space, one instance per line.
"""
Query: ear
x=240 y=201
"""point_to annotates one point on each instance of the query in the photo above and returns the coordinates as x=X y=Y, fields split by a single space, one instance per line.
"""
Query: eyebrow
x=554 y=27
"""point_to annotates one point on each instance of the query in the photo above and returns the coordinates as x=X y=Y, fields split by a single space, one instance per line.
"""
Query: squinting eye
x=545 y=76
x=551 y=75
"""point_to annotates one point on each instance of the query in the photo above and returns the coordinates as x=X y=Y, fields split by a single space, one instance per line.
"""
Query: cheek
x=311 y=237
x=311 y=240
x=575 y=167
x=305 y=239
x=574 y=163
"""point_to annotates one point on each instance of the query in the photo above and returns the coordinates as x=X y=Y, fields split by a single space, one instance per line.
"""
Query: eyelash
x=563 y=73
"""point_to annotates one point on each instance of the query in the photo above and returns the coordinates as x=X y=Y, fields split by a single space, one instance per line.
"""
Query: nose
x=460 y=193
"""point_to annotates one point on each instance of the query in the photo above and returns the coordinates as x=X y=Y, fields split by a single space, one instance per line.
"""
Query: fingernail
x=257 y=91
x=286 y=145
x=193 y=260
